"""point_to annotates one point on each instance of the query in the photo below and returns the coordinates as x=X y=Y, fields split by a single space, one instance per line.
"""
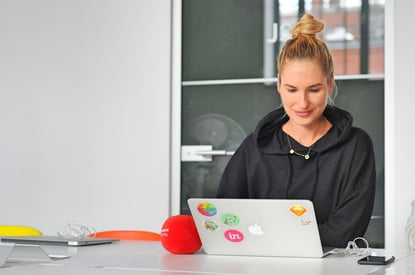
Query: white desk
x=135 y=257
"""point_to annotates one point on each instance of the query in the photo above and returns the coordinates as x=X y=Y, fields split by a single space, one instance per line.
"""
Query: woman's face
x=304 y=91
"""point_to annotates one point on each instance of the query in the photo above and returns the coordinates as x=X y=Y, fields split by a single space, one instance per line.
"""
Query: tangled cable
x=76 y=230
x=353 y=249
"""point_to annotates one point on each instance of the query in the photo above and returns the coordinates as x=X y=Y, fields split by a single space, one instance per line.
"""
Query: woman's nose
x=303 y=99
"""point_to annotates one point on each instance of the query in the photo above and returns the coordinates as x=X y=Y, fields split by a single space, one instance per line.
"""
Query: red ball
x=179 y=235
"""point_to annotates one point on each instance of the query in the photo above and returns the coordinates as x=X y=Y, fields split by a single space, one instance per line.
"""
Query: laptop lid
x=257 y=227
x=57 y=240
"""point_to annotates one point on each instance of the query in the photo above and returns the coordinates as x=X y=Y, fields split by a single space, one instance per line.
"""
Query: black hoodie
x=339 y=177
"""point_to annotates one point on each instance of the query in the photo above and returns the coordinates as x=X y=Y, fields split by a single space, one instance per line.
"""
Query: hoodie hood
x=268 y=132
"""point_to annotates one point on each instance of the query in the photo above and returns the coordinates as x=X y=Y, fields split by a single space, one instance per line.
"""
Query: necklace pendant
x=307 y=156
x=292 y=151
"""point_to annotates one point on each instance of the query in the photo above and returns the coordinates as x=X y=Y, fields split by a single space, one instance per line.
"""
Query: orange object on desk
x=138 y=235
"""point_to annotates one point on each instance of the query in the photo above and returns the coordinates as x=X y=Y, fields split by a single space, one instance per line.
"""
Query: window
x=354 y=33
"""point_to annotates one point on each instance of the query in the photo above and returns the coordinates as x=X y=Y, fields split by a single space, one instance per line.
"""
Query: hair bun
x=307 y=26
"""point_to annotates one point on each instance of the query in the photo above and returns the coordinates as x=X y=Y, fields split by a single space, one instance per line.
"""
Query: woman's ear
x=331 y=84
x=278 y=83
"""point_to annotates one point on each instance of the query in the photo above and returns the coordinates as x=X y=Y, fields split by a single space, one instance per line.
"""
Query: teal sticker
x=230 y=219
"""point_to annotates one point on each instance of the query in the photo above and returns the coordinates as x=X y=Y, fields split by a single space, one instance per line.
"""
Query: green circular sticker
x=230 y=219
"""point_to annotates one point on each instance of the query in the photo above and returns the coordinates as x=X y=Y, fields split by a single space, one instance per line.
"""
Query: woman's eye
x=314 y=90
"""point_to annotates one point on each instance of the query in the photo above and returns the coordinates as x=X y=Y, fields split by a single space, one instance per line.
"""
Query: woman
x=308 y=149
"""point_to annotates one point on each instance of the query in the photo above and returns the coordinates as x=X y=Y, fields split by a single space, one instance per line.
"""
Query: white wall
x=85 y=113
x=399 y=115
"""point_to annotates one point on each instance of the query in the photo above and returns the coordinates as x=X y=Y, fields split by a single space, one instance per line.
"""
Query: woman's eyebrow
x=311 y=86
x=316 y=85
x=289 y=86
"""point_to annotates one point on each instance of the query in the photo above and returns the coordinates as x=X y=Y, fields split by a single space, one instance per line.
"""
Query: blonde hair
x=305 y=44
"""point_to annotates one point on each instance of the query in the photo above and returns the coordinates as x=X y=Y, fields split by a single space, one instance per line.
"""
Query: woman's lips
x=302 y=113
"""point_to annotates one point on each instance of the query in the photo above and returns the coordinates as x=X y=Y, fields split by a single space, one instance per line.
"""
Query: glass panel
x=222 y=115
x=231 y=39
x=288 y=17
x=222 y=39
x=288 y=8
x=234 y=39
x=341 y=33
x=376 y=36
x=354 y=51
x=365 y=100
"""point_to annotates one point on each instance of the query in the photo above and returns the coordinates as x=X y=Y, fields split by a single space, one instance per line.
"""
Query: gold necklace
x=292 y=151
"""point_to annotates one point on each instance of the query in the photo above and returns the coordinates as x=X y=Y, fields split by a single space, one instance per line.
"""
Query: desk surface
x=135 y=257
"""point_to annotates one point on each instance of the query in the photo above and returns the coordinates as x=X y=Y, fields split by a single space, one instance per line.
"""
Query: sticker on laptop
x=256 y=229
x=211 y=225
x=298 y=210
x=234 y=236
x=207 y=209
x=230 y=219
x=305 y=222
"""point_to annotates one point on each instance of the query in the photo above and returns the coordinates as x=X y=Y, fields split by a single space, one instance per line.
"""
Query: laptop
x=257 y=227
x=57 y=240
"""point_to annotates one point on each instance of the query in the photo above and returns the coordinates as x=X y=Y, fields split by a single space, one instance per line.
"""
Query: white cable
x=352 y=249
x=76 y=230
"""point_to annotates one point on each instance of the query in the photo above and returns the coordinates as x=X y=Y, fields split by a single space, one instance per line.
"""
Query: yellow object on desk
x=18 y=230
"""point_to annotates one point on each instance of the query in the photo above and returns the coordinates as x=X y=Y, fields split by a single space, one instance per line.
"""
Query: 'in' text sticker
x=234 y=236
